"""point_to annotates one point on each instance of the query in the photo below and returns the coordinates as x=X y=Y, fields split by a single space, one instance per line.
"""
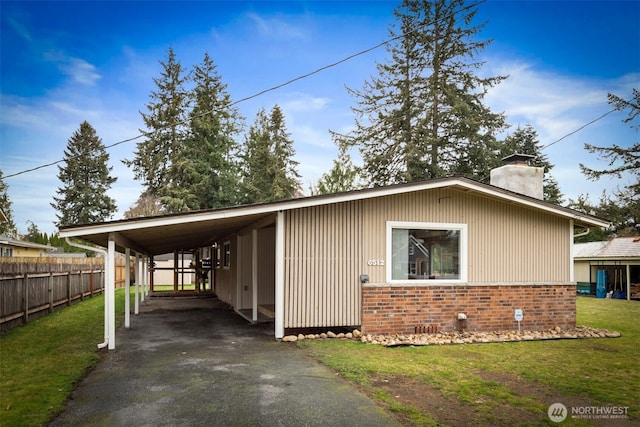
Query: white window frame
x=226 y=254
x=428 y=226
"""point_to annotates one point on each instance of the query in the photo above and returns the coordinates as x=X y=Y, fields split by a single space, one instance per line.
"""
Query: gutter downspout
x=106 y=273
x=584 y=233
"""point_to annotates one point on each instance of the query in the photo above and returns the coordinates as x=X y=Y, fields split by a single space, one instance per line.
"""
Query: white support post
x=127 y=288
x=254 y=274
x=279 y=321
x=145 y=274
x=628 y=282
x=107 y=279
x=147 y=271
x=111 y=291
x=138 y=274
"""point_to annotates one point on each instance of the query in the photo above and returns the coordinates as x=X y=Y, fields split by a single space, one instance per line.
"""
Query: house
x=614 y=264
x=10 y=247
x=441 y=254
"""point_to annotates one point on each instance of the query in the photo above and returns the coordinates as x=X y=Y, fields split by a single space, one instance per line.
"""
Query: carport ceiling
x=162 y=235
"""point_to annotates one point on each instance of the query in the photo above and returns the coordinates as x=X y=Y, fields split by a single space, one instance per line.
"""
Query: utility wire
x=271 y=89
x=579 y=129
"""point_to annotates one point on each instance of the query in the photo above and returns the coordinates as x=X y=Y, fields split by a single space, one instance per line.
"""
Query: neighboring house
x=615 y=263
x=395 y=259
x=166 y=271
x=10 y=247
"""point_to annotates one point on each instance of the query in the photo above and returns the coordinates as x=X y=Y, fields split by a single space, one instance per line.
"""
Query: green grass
x=42 y=361
x=600 y=371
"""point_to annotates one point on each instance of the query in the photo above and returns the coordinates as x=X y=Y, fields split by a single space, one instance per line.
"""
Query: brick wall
x=399 y=309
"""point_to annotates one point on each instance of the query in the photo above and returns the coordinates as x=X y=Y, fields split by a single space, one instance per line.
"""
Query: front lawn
x=41 y=362
x=500 y=384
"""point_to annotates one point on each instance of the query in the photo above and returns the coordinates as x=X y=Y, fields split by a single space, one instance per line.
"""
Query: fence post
x=91 y=281
x=68 y=288
x=25 y=298
x=81 y=286
x=50 y=292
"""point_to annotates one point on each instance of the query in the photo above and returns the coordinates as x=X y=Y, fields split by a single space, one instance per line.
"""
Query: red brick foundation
x=400 y=309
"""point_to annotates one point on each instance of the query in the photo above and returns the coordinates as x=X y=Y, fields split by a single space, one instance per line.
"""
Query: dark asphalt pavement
x=194 y=362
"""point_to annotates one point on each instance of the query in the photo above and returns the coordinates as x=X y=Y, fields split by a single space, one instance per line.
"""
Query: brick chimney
x=516 y=175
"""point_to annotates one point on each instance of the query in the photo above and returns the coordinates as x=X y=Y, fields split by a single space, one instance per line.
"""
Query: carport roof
x=162 y=234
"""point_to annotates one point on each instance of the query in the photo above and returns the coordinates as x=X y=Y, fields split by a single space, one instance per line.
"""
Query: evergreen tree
x=525 y=141
x=423 y=115
x=343 y=176
x=8 y=227
x=622 y=206
x=166 y=131
x=205 y=173
x=269 y=171
x=146 y=205
x=622 y=160
x=33 y=233
x=85 y=177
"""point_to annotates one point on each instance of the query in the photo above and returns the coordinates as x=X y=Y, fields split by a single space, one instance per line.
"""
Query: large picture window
x=426 y=251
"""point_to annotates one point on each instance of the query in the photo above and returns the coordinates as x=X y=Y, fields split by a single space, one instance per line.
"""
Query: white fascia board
x=557 y=210
x=318 y=201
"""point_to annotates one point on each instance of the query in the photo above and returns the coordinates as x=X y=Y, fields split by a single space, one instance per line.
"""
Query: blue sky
x=65 y=62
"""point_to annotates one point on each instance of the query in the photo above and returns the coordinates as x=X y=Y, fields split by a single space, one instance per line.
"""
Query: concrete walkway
x=194 y=362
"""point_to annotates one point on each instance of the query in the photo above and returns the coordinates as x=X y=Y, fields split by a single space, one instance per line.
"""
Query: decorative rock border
x=445 y=338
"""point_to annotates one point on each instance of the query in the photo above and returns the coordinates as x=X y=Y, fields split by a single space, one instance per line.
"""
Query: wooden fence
x=33 y=287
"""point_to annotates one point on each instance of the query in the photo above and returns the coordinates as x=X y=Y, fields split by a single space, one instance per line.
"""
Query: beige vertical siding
x=244 y=271
x=266 y=265
x=507 y=242
x=323 y=259
x=327 y=248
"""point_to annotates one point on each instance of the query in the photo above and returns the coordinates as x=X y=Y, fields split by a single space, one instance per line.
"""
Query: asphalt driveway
x=194 y=362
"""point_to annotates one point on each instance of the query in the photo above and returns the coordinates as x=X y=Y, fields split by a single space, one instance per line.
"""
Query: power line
x=271 y=89
x=579 y=129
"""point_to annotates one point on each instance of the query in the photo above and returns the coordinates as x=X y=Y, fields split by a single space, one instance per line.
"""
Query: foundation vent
x=426 y=329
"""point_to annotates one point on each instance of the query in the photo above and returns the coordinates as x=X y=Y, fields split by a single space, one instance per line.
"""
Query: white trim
x=226 y=257
x=254 y=275
x=279 y=279
x=463 y=228
x=127 y=288
x=571 y=251
x=110 y=297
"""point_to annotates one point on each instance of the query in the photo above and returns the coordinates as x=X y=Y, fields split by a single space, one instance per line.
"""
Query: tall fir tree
x=621 y=205
x=621 y=159
x=423 y=115
x=343 y=175
x=269 y=170
x=85 y=177
x=166 y=130
x=8 y=227
x=524 y=140
x=205 y=173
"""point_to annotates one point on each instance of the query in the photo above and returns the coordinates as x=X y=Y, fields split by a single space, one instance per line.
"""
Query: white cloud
x=20 y=29
x=557 y=105
x=80 y=71
x=304 y=102
x=276 y=28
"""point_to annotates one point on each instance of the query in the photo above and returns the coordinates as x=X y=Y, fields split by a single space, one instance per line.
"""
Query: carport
x=144 y=238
